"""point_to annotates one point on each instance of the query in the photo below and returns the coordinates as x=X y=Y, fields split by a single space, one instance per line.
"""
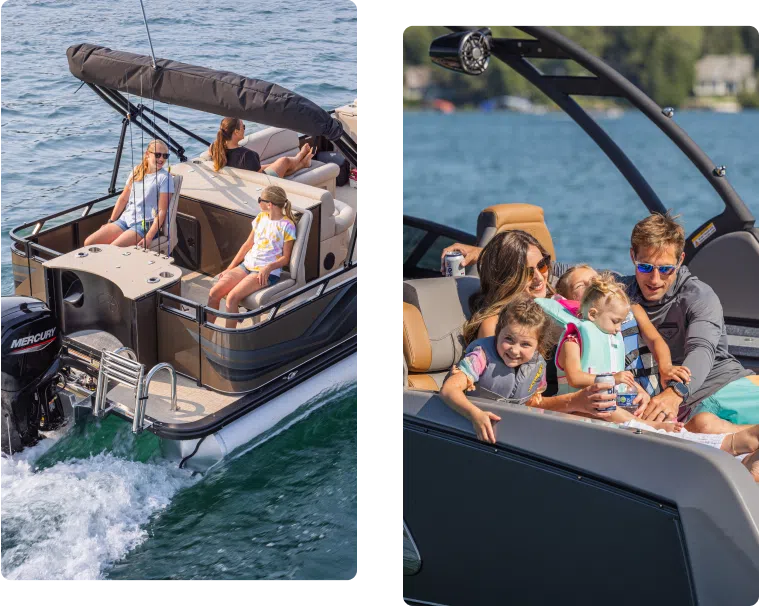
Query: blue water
x=94 y=502
x=455 y=165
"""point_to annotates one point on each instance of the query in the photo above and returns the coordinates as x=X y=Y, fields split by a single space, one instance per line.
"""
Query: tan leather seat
x=434 y=312
x=504 y=217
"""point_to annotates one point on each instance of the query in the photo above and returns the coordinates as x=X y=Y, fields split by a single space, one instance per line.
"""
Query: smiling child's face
x=516 y=344
x=578 y=282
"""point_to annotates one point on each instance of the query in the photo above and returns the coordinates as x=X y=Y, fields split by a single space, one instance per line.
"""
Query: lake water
x=93 y=501
x=458 y=164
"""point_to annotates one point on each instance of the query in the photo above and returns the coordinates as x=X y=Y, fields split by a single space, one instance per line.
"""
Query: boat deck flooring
x=193 y=402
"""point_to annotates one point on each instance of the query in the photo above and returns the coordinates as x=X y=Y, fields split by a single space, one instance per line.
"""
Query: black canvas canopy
x=207 y=90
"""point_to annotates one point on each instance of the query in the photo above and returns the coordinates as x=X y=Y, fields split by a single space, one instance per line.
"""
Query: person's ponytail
x=219 y=147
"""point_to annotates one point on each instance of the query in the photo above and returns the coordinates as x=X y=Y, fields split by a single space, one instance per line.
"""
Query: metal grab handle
x=127 y=350
x=144 y=391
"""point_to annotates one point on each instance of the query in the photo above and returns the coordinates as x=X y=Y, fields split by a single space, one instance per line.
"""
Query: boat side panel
x=178 y=339
x=242 y=360
x=493 y=527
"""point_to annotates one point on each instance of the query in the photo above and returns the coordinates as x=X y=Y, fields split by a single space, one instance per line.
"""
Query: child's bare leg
x=707 y=422
x=247 y=286
x=220 y=290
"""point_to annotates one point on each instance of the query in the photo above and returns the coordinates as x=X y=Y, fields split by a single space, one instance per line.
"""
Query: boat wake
x=76 y=517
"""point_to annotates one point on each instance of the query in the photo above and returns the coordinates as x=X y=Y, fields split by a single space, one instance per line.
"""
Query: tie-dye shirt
x=269 y=241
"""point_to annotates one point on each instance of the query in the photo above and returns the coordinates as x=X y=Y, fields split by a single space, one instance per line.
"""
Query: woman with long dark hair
x=226 y=151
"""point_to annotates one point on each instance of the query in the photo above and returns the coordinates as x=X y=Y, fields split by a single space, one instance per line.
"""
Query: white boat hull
x=264 y=422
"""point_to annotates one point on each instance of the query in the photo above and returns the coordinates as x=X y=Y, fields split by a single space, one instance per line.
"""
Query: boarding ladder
x=122 y=366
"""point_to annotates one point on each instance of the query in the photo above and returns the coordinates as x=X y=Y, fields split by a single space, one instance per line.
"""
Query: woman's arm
x=122 y=201
x=658 y=346
x=586 y=400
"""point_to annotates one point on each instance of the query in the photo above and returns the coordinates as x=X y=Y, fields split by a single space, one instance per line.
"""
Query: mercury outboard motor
x=30 y=372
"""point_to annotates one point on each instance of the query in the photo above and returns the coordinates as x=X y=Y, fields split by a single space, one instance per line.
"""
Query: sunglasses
x=543 y=266
x=647 y=268
x=160 y=155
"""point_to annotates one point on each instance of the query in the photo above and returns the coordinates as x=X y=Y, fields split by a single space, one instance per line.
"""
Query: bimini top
x=207 y=90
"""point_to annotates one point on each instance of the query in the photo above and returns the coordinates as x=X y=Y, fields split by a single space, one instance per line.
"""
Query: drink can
x=452 y=263
x=606 y=379
x=625 y=396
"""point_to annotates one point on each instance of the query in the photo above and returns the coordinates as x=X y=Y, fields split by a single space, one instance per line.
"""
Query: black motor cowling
x=30 y=371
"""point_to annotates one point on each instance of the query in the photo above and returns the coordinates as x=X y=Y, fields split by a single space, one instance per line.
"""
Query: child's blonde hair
x=524 y=311
x=601 y=288
x=562 y=286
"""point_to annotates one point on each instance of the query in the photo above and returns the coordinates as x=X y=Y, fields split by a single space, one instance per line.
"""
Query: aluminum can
x=607 y=378
x=452 y=263
x=625 y=397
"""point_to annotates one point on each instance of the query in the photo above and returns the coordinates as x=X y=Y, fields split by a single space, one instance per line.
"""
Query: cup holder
x=95 y=249
x=153 y=280
x=166 y=274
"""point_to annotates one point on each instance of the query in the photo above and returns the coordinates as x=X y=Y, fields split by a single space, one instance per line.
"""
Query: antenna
x=144 y=18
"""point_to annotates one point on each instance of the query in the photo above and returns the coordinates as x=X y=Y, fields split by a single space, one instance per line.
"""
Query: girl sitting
x=509 y=364
x=261 y=258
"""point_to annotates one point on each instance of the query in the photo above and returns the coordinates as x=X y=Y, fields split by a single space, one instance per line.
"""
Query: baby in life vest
x=592 y=342
x=510 y=364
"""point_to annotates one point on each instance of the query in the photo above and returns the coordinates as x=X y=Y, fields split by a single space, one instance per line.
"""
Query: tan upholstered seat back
x=434 y=312
x=504 y=217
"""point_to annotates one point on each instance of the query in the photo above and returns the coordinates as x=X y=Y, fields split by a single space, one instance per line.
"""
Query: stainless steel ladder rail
x=139 y=410
x=116 y=366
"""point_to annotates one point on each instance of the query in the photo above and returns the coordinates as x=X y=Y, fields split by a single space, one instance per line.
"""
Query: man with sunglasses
x=688 y=314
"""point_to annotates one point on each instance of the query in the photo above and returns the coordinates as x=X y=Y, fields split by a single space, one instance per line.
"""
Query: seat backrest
x=504 y=217
x=297 y=267
x=169 y=231
x=271 y=143
x=435 y=310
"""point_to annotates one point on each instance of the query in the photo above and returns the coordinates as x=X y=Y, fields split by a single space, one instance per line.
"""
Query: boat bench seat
x=168 y=235
x=273 y=143
x=434 y=312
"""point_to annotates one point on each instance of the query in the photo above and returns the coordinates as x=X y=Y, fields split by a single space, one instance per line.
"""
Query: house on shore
x=724 y=75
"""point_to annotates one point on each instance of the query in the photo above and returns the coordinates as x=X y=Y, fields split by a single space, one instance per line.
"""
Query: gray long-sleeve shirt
x=689 y=318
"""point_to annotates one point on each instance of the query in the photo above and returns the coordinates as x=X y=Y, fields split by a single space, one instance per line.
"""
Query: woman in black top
x=226 y=151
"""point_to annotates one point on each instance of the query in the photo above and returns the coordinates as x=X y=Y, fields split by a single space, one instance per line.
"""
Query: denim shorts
x=272 y=279
x=139 y=227
x=271 y=172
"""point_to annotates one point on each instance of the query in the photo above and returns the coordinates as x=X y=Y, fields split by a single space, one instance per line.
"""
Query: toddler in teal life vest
x=592 y=342
x=510 y=364
x=647 y=355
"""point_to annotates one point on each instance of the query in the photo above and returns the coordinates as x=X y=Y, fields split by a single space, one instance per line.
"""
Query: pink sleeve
x=572 y=333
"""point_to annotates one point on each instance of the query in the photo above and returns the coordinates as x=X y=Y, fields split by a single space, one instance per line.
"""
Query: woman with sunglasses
x=226 y=151
x=143 y=205
x=261 y=258
x=512 y=263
